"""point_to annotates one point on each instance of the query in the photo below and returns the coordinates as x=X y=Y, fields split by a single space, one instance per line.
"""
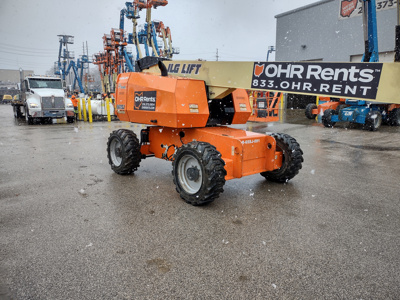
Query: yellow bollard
x=282 y=106
x=316 y=117
x=84 y=110
x=90 y=110
x=108 y=109
x=79 y=110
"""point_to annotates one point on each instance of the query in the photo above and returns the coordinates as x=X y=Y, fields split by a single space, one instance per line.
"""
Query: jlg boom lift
x=188 y=105
x=187 y=130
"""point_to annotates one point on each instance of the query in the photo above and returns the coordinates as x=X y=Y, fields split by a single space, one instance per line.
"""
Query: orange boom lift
x=188 y=112
x=188 y=128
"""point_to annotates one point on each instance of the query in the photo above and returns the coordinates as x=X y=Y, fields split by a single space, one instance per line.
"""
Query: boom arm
x=367 y=81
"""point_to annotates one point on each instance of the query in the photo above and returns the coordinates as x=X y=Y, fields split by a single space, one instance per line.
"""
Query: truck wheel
x=373 y=120
x=394 y=117
x=29 y=120
x=199 y=174
x=17 y=111
x=123 y=151
x=327 y=118
x=309 y=109
x=292 y=158
x=70 y=119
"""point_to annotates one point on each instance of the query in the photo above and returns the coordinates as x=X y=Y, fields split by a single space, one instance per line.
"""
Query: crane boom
x=368 y=81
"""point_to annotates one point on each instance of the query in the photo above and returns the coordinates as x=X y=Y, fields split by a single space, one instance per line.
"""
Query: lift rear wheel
x=199 y=174
x=394 y=117
x=308 y=111
x=373 y=120
x=327 y=118
x=292 y=158
x=123 y=151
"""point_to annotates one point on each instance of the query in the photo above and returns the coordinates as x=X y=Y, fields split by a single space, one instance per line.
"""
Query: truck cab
x=42 y=98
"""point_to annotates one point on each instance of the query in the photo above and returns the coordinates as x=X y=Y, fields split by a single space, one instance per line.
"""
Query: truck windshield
x=45 y=83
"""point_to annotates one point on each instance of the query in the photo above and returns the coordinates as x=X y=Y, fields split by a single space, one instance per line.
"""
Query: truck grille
x=58 y=103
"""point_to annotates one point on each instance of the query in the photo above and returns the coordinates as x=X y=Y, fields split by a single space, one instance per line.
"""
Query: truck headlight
x=33 y=105
x=70 y=105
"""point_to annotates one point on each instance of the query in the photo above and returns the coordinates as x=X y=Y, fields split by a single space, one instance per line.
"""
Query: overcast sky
x=241 y=30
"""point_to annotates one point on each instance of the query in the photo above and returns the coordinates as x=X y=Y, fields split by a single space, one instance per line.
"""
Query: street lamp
x=270 y=50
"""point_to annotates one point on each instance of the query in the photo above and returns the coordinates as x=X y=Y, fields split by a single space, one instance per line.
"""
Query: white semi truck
x=42 y=99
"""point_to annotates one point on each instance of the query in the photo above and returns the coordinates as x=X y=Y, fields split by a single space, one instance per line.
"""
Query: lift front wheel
x=123 y=151
x=292 y=158
x=199 y=173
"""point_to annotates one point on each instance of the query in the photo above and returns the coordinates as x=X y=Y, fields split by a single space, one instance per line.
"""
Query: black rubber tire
x=373 y=120
x=70 y=119
x=394 y=117
x=17 y=112
x=292 y=159
x=123 y=151
x=308 y=111
x=207 y=177
x=339 y=108
x=45 y=120
x=327 y=118
x=29 y=120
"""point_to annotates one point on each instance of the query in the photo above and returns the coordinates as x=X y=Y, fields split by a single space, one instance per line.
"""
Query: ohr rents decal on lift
x=345 y=80
x=145 y=100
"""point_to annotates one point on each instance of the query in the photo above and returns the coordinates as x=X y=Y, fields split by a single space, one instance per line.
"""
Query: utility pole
x=217 y=54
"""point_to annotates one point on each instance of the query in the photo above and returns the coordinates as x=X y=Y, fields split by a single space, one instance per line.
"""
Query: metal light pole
x=272 y=49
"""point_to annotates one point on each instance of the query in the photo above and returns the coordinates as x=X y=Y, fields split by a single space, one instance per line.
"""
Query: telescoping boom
x=367 y=81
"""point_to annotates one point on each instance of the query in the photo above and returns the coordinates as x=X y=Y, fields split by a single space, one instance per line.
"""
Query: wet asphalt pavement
x=70 y=228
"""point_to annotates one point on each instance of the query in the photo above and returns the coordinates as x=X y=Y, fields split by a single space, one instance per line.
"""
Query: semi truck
x=42 y=99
